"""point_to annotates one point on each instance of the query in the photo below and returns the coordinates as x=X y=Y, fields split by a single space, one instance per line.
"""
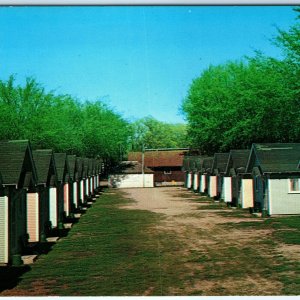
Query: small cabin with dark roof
x=73 y=176
x=131 y=174
x=17 y=176
x=80 y=172
x=40 y=197
x=62 y=168
x=86 y=178
x=205 y=172
x=197 y=166
x=217 y=174
x=276 y=174
x=235 y=185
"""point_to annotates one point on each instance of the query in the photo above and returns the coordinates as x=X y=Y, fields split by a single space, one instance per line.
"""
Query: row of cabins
x=39 y=191
x=265 y=178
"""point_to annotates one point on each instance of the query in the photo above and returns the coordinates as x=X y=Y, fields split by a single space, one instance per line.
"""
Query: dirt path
x=222 y=261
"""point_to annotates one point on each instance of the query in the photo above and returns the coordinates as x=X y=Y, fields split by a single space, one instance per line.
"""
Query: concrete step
x=52 y=239
x=77 y=216
x=68 y=225
x=28 y=259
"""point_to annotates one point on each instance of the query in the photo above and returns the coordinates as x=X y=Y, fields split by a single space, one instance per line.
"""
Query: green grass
x=111 y=251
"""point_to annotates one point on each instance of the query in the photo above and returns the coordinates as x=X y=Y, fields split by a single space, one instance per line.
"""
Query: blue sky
x=139 y=60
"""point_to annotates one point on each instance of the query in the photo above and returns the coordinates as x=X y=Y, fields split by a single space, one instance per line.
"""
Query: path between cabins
x=226 y=255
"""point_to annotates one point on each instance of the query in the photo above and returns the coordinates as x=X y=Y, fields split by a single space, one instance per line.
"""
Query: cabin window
x=294 y=184
x=167 y=172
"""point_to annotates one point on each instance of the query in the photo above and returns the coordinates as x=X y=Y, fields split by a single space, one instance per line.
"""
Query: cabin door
x=227 y=189
x=53 y=206
x=75 y=194
x=33 y=222
x=66 y=199
x=4 y=230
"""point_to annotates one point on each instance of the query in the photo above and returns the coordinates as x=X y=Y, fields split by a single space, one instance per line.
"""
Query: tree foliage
x=60 y=122
x=156 y=134
x=253 y=100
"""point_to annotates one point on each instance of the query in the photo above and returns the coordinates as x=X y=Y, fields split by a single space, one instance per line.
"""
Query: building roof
x=62 y=167
x=15 y=160
x=72 y=161
x=207 y=164
x=132 y=167
x=80 y=167
x=44 y=163
x=159 y=158
x=237 y=160
x=276 y=157
x=220 y=162
x=193 y=162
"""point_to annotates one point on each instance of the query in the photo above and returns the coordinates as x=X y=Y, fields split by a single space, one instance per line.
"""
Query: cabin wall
x=246 y=195
x=4 y=235
x=196 y=181
x=33 y=214
x=202 y=183
x=53 y=207
x=75 y=194
x=280 y=201
x=227 y=184
x=189 y=180
x=212 y=186
x=66 y=199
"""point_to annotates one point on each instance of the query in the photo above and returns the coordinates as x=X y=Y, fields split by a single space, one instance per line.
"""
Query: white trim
x=81 y=190
x=66 y=199
x=53 y=206
x=37 y=212
x=86 y=187
x=269 y=197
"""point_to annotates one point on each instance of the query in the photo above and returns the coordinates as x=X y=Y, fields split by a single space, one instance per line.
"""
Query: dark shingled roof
x=85 y=167
x=220 y=162
x=80 y=167
x=207 y=164
x=193 y=162
x=278 y=157
x=42 y=160
x=237 y=160
x=72 y=161
x=12 y=161
x=61 y=165
x=132 y=167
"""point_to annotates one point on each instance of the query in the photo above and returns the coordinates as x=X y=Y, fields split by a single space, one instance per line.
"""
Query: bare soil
x=200 y=231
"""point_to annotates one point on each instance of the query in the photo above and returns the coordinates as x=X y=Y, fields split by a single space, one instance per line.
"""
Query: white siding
x=131 y=180
x=202 y=183
x=195 y=182
x=66 y=199
x=53 y=206
x=246 y=194
x=33 y=223
x=227 y=185
x=75 y=194
x=91 y=184
x=81 y=190
x=87 y=187
x=189 y=180
x=280 y=200
x=4 y=230
x=212 y=186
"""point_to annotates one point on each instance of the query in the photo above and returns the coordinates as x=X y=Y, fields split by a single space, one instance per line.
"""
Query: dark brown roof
x=207 y=164
x=132 y=167
x=277 y=157
x=80 y=167
x=15 y=160
x=159 y=158
x=193 y=162
x=44 y=163
x=85 y=167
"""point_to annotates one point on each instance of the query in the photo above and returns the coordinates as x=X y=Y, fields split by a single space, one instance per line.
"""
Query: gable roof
x=62 y=167
x=207 y=164
x=16 y=160
x=275 y=157
x=80 y=167
x=85 y=167
x=159 y=158
x=72 y=161
x=44 y=162
x=237 y=160
x=220 y=162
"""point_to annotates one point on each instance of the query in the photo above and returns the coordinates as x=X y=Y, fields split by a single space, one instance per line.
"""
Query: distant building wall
x=130 y=180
